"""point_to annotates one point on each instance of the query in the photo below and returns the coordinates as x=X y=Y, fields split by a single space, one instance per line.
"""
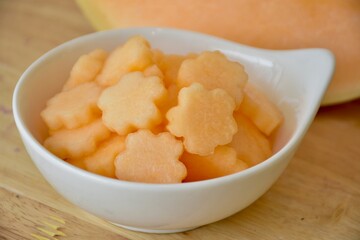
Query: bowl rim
x=37 y=146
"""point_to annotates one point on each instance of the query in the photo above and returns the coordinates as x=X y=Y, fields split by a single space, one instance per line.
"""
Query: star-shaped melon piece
x=151 y=158
x=221 y=163
x=73 y=108
x=204 y=118
x=213 y=70
x=132 y=103
x=134 y=55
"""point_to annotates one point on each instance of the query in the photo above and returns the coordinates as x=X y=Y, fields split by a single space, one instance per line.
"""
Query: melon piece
x=159 y=129
x=77 y=143
x=157 y=56
x=132 y=103
x=153 y=70
x=86 y=68
x=260 y=110
x=213 y=70
x=102 y=160
x=204 y=118
x=171 y=99
x=222 y=162
x=250 y=144
x=134 y=55
x=151 y=158
x=79 y=162
x=170 y=64
x=72 y=108
x=269 y=24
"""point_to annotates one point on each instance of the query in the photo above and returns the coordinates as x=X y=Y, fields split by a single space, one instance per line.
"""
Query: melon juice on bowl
x=294 y=80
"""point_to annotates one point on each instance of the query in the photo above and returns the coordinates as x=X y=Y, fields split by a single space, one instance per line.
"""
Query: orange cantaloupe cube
x=73 y=108
x=204 y=118
x=260 y=110
x=77 y=143
x=86 y=68
x=102 y=161
x=132 y=103
x=213 y=70
x=151 y=158
x=134 y=55
x=251 y=145
x=222 y=162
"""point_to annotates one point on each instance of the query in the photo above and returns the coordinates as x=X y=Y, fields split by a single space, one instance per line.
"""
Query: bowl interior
x=294 y=80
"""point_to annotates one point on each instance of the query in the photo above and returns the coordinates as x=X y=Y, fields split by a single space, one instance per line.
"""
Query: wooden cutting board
x=317 y=197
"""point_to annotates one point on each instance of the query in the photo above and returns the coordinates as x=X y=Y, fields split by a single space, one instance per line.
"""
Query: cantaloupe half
x=274 y=24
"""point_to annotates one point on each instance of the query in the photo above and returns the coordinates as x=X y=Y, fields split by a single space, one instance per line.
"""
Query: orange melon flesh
x=102 y=161
x=153 y=70
x=72 y=108
x=171 y=99
x=203 y=118
x=262 y=112
x=134 y=55
x=78 y=162
x=151 y=158
x=157 y=56
x=159 y=128
x=77 y=143
x=273 y=24
x=222 y=162
x=131 y=103
x=213 y=70
x=170 y=64
x=249 y=143
x=86 y=68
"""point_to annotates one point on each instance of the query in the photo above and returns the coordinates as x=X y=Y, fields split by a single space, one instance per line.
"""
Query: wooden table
x=317 y=197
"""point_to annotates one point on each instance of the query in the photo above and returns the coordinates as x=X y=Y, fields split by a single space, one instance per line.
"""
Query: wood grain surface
x=317 y=197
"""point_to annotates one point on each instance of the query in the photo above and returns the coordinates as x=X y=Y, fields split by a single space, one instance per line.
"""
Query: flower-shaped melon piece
x=221 y=163
x=151 y=158
x=134 y=55
x=86 y=68
x=204 y=118
x=131 y=103
x=213 y=70
x=260 y=110
x=77 y=143
x=73 y=108
x=251 y=145
x=102 y=161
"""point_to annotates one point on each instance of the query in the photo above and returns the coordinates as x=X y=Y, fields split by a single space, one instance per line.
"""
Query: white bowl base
x=145 y=230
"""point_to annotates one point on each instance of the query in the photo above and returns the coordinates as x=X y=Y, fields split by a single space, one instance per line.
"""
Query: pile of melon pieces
x=137 y=114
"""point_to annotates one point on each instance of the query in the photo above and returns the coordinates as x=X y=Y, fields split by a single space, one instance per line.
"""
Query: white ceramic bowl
x=295 y=80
